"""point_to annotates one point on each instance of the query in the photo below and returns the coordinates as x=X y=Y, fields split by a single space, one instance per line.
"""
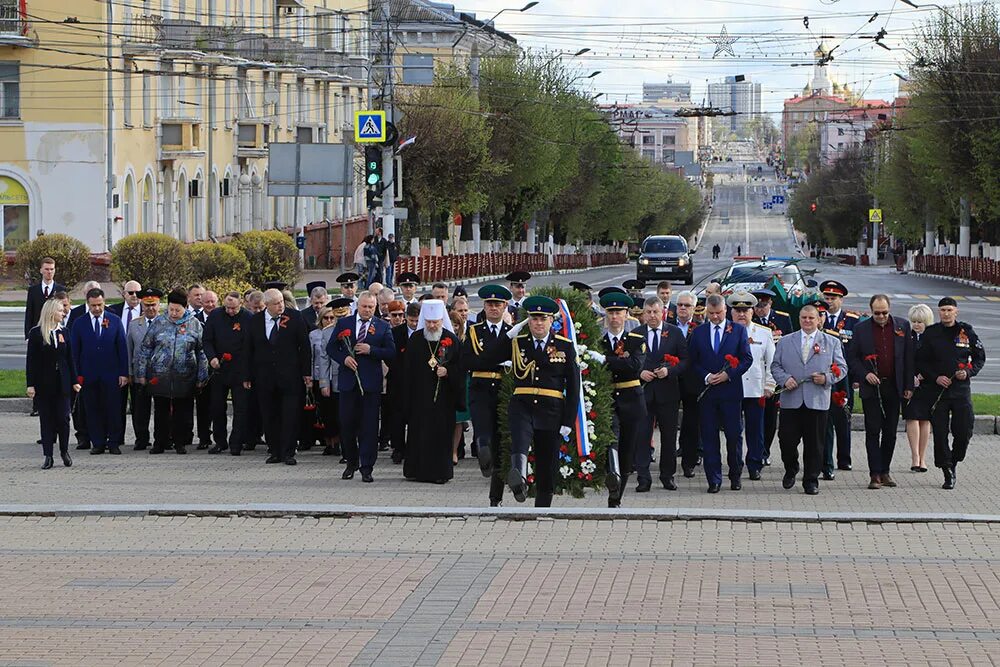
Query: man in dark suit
x=624 y=355
x=318 y=298
x=127 y=311
x=839 y=323
x=360 y=344
x=720 y=355
x=665 y=363
x=202 y=397
x=40 y=292
x=278 y=363
x=665 y=291
x=101 y=355
x=79 y=414
x=224 y=341
x=690 y=387
x=142 y=400
x=880 y=362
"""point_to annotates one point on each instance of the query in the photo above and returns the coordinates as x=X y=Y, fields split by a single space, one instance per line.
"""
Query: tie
x=655 y=345
x=274 y=329
x=493 y=330
x=805 y=347
x=717 y=338
x=97 y=327
x=538 y=345
x=364 y=331
x=45 y=291
x=128 y=318
x=614 y=342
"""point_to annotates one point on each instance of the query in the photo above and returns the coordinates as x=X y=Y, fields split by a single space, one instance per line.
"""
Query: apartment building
x=197 y=91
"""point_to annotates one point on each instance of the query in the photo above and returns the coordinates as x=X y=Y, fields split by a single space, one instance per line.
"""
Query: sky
x=633 y=41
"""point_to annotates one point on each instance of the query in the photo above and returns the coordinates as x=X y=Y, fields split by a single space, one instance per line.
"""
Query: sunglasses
x=132 y=292
x=396 y=314
x=328 y=317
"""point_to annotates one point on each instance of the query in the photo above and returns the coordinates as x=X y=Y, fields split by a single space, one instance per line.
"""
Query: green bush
x=207 y=260
x=155 y=260
x=222 y=285
x=272 y=256
x=72 y=259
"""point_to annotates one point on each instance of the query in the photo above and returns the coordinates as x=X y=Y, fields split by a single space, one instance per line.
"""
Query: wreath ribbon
x=580 y=426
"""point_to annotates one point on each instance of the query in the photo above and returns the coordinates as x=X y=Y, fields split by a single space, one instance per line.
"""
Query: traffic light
x=812 y=207
x=373 y=167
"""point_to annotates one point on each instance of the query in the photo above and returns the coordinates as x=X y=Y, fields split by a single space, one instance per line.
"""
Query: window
x=147 y=100
x=289 y=102
x=304 y=135
x=324 y=31
x=665 y=244
x=245 y=107
x=669 y=140
x=649 y=154
x=648 y=140
x=668 y=156
x=10 y=90
x=127 y=94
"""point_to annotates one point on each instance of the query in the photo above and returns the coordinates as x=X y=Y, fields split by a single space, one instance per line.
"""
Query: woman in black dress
x=51 y=379
x=917 y=412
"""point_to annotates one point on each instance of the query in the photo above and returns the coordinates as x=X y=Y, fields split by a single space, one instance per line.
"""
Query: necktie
x=364 y=331
x=97 y=327
x=274 y=329
x=128 y=318
x=493 y=330
x=717 y=338
x=655 y=345
x=45 y=291
x=538 y=345
x=614 y=342
x=805 y=347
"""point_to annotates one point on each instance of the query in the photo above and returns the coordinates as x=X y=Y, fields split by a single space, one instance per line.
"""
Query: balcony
x=180 y=138
x=13 y=25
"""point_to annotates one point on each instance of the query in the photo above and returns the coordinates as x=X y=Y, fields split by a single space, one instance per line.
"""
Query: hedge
x=272 y=255
x=72 y=259
x=152 y=259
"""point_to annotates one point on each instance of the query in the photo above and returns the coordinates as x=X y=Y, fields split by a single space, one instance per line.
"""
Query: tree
x=762 y=131
x=841 y=197
x=152 y=259
x=72 y=258
x=272 y=255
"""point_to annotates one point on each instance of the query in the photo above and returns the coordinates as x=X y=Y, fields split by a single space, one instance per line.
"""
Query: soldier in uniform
x=840 y=324
x=625 y=356
x=950 y=353
x=758 y=383
x=588 y=292
x=632 y=320
x=780 y=324
x=518 y=290
x=407 y=283
x=348 y=286
x=482 y=343
x=546 y=396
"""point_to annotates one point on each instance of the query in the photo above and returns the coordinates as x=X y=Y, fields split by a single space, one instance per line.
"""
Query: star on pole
x=723 y=43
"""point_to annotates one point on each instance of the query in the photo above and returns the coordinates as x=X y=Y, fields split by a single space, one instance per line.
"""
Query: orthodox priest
x=433 y=392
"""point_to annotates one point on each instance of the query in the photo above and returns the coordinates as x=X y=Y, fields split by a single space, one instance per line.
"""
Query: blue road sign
x=300 y=242
x=369 y=127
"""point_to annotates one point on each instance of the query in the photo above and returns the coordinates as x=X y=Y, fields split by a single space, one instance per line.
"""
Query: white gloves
x=507 y=364
x=564 y=431
x=516 y=329
x=596 y=356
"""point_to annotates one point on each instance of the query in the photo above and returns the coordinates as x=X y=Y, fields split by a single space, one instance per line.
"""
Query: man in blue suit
x=360 y=344
x=719 y=354
x=101 y=355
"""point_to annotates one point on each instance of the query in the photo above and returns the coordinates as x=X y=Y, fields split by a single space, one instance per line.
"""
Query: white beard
x=433 y=337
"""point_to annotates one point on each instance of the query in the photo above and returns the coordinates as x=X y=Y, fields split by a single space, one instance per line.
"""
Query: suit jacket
x=383 y=348
x=863 y=344
x=283 y=362
x=689 y=384
x=50 y=370
x=777 y=321
x=759 y=378
x=133 y=339
x=672 y=342
x=705 y=360
x=119 y=310
x=226 y=334
x=788 y=364
x=309 y=317
x=33 y=305
x=103 y=358
x=75 y=313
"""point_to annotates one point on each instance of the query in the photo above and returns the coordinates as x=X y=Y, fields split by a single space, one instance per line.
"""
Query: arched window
x=183 y=206
x=128 y=206
x=147 y=221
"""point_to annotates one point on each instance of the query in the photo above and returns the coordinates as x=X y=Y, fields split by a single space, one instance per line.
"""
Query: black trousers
x=807 y=426
x=839 y=425
x=690 y=431
x=80 y=422
x=203 y=404
x=662 y=414
x=770 y=423
x=545 y=443
x=53 y=420
x=880 y=431
x=219 y=390
x=632 y=433
x=142 y=410
x=173 y=421
x=955 y=411
x=483 y=412
x=281 y=414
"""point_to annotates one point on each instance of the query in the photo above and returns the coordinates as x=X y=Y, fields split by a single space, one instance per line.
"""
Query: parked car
x=665 y=257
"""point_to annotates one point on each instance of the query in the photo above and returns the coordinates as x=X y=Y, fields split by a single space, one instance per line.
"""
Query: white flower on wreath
x=588 y=467
x=565 y=471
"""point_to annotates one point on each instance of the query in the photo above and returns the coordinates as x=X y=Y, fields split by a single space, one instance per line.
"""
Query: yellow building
x=198 y=88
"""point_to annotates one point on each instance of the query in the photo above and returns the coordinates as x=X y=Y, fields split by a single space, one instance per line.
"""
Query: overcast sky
x=633 y=41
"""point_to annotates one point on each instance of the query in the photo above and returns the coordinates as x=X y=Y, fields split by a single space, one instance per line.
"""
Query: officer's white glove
x=516 y=329
x=596 y=356
x=507 y=364
x=564 y=431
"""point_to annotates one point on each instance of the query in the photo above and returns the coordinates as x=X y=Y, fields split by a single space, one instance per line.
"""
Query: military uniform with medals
x=838 y=423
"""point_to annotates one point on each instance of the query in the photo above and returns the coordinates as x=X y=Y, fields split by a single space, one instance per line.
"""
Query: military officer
x=758 y=383
x=587 y=290
x=625 y=356
x=780 y=324
x=839 y=323
x=633 y=287
x=407 y=283
x=546 y=396
x=518 y=290
x=950 y=354
x=348 y=286
x=482 y=343
x=631 y=320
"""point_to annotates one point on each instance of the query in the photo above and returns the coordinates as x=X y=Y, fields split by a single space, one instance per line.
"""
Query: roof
x=799 y=100
x=424 y=11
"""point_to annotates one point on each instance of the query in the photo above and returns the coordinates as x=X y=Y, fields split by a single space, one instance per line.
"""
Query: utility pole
x=388 y=152
x=474 y=80
x=110 y=166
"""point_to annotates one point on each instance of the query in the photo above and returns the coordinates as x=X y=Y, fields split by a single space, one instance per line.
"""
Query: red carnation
x=839 y=398
x=592 y=414
x=871 y=357
x=319 y=426
x=309 y=406
x=962 y=366
x=531 y=458
x=346 y=333
x=572 y=315
x=585 y=372
x=154 y=381
x=589 y=477
x=226 y=356
x=79 y=379
x=592 y=456
x=564 y=449
x=583 y=336
x=579 y=475
x=671 y=359
x=445 y=342
x=762 y=401
x=733 y=361
x=531 y=479
x=835 y=369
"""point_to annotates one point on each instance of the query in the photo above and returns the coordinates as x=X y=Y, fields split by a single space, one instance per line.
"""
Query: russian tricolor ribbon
x=580 y=427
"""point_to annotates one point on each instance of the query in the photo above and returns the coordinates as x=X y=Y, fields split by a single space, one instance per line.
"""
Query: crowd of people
x=361 y=372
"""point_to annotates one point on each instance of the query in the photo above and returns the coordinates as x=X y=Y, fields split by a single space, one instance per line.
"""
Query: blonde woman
x=917 y=412
x=51 y=379
x=325 y=372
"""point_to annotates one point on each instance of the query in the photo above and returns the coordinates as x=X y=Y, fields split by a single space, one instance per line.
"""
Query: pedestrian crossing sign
x=369 y=127
x=874 y=215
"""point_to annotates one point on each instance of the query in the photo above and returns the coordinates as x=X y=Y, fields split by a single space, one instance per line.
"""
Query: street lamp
x=938 y=7
x=505 y=9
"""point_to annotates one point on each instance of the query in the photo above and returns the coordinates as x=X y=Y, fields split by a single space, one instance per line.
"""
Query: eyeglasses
x=328 y=317
x=685 y=305
x=396 y=314
x=132 y=292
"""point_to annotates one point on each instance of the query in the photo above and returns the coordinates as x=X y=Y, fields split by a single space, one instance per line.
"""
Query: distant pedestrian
x=392 y=254
x=51 y=379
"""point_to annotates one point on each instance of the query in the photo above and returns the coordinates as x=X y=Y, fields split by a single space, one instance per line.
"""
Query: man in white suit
x=758 y=383
x=806 y=365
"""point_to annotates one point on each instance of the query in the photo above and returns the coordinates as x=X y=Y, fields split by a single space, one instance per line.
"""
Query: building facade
x=843 y=131
x=677 y=92
x=737 y=94
x=197 y=90
x=659 y=135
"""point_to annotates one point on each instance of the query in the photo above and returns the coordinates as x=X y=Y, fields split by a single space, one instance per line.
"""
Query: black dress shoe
x=643 y=486
x=34 y=413
x=180 y=449
x=714 y=488
x=67 y=461
x=484 y=455
x=397 y=457
x=305 y=446
x=139 y=448
x=217 y=450
x=83 y=445
x=494 y=503
x=844 y=466
x=97 y=451
x=812 y=490
x=156 y=450
x=202 y=445
x=47 y=463
x=384 y=447
x=348 y=472
x=38 y=442
x=767 y=462
x=328 y=451
x=612 y=503
x=236 y=452
x=517 y=485
x=828 y=476
x=612 y=481
x=755 y=475
x=949 y=478
x=116 y=451
x=367 y=478
x=788 y=481
x=688 y=472
x=290 y=461
x=274 y=458
x=735 y=485
x=669 y=484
